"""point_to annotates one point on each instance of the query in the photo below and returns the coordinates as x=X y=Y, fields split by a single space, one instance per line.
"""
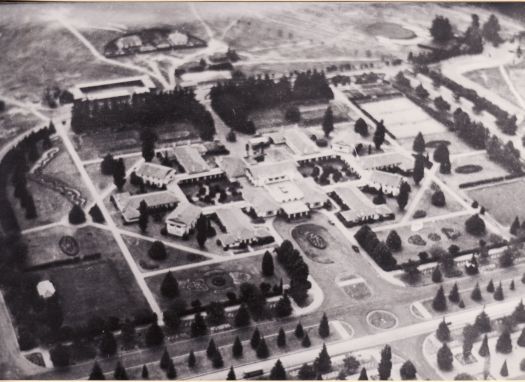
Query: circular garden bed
x=435 y=143
x=390 y=30
x=315 y=240
x=69 y=245
x=417 y=240
x=468 y=169
x=218 y=279
x=381 y=319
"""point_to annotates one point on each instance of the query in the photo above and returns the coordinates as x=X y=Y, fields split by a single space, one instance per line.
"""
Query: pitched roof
x=299 y=142
x=153 y=170
x=234 y=167
x=129 y=204
x=185 y=213
x=264 y=170
x=260 y=199
x=387 y=159
x=190 y=158
x=385 y=178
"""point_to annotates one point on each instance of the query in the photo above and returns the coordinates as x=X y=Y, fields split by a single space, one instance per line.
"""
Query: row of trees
x=233 y=101
x=297 y=271
x=144 y=110
x=378 y=250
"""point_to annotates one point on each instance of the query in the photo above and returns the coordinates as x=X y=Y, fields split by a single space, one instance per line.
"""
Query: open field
x=390 y=30
x=517 y=76
x=102 y=181
x=455 y=145
x=502 y=200
x=425 y=204
x=492 y=79
x=211 y=282
x=139 y=250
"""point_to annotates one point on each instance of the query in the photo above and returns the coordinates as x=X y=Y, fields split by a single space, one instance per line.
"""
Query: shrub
x=438 y=199
x=76 y=215
x=475 y=225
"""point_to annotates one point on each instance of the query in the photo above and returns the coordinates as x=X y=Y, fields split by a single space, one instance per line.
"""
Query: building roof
x=190 y=158
x=358 y=204
x=129 y=204
x=185 y=213
x=312 y=192
x=153 y=170
x=119 y=87
x=385 y=178
x=265 y=170
x=233 y=167
x=260 y=199
x=299 y=142
x=276 y=138
x=295 y=207
x=387 y=159
x=238 y=226
x=285 y=191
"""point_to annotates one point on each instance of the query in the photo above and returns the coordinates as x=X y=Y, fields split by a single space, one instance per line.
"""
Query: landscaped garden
x=314 y=241
x=492 y=79
x=461 y=174
x=214 y=191
x=328 y=171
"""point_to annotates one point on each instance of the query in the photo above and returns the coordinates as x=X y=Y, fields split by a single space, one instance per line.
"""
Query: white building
x=388 y=182
x=45 y=289
x=268 y=173
x=182 y=220
x=155 y=174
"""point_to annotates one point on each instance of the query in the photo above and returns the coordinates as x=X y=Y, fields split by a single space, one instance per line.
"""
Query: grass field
x=390 y=30
x=139 y=250
x=492 y=79
x=456 y=145
x=101 y=181
x=503 y=200
x=426 y=205
x=104 y=287
x=211 y=282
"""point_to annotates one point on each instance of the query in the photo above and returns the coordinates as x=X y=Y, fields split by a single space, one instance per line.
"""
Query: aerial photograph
x=262 y=191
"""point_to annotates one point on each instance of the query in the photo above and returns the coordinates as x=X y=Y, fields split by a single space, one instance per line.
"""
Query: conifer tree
x=211 y=349
x=504 y=372
x=281 y=338
x=324 y=327
x=171 y=372
x=120 y=372
x=278 y=373
x=443 y=332
x=419 y=143
x=437 y=276
x=169 y=287
x=267 y=265
x=96 y=373
x=408 y=371
x=515 y=227
x=217 y=361
x=498 y=293
x=521 y=338
x=440 y=302
x=490 y=286
x=484 y=350
x=237 y=348
x=192 y=360
x=476 y=293
x=454 y=294
x=444 y=358
x=165 y=359
x=363 y=376
x=306 y=343
x=299 y=331
x=255 y=339
x=323 y=363
x=482 y=322
x=145 y=372
x=262 y=350
x=504 y=343
x=385 y=364
x=108 y=344
x=242 y=317
x=231 y=375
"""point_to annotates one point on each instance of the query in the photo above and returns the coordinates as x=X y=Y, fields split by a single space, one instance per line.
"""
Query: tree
x=482 y=322
x=154 y=335
x=393 y=241
x=385 y=364
x=453 y=296
x=76 y=215
x=262 y=350
x=306 y=343
x=107 y=165
x=408 y=371
x=278 y=373
x=444 y=358
x=476 y=293
x=490 y=30
x=237 y=348
x=169 y=287
x=231 y=375
x=165 y=360
x=440 y=302
x=171 y=372
x=242 y=316
x=402 y=197
x=515 y=227
x=498 y=293
x=361 y=127
x=475 y=225
x=211 y=349
x=379 y=135
x=521 y=338
x=437 y=276
x=443 y=332
x=299 y=331
x=283 y=308
x=307 y=373
x=506 y=259
x=119 y=174
x=328 y=121
x=217 y=361
x=255 y=339
x=419 y=143
x=108 y=344
x=143 y=216
x=323 y=363
x=441 y=29
x=419 y=169
x=157 y=251
x=198 y=326
x=281 y=338
x=192 y=360
x=267 y=265
x=442 y=154
x=96 y=214
x=470 y=335
x=96 y=373
x=490 y=286
x=202 y=230
x=148 y=138
x=421 y=92
x=504 y=372
x=60 y=356
x=504 y=343
x=324 y=327
x=120 y=373
x=438 y=199
x=363 y=376
x=484 y=350
x=292 y=114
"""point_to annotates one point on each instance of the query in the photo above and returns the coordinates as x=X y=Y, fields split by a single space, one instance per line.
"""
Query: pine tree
x=324 y=327
x=108 y=344
x=443 y=332
x=231 y=375
x=515 y=227
x=278 y=373
x=393 y=241
x=154 y=335
x=202 y=230
x=521 y=338
x=482 y=322
x=96 y=373
x=490 y=286
x=512 y=285
x=143 y=217
x=504 y=343
x=255 y=339
x=476 y=293
x=77 y=215
x=217 y=361
x=198 y=326
x=306 y=343
x=454 y=294
x=262 y=349
x=212 y=349
x=242 y=317
x=169 y=287
x=437 y=276
x=498 y=293
x=379 y=135
x=484 y=350
x=408 y=371
x=237 y=348
x=419 y=169
x=440 y=302
x=283 y=308
x=145 y=372
x=402 y=197
x=107 y=165
x=120 y=372
x=306 y=373
x=419 y=143
x=171 y=372
x=445 y=358
x=192 y=360
x=281 y=338
x=504 y=372
x=385 y=364
x=165 y=359
x=267 y=265
x=323 y=363
x=299 y=331
x=328 y=121
x=363 y=376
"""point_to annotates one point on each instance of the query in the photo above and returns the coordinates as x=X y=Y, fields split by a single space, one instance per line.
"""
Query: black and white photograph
x=262 y=190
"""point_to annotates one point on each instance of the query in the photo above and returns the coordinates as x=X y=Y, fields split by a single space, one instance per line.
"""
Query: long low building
x=389 y=162
x=190 y=159
x=181 y=221
x=120 y=88
x=155 y=174
x=128 y=205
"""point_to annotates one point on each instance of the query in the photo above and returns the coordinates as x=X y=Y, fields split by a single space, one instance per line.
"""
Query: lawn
x=139 y=250
x=425 y=204
x=15 y=121
x=346 y=174
x=212 y=188
x=104 y=287
x=102 y=181
x=390 y=30
x=211 y=282
x=307 y=235
x=454 y=144
x=502 y=200
x=432 y=234
x=517 y=76
x=491 y=78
